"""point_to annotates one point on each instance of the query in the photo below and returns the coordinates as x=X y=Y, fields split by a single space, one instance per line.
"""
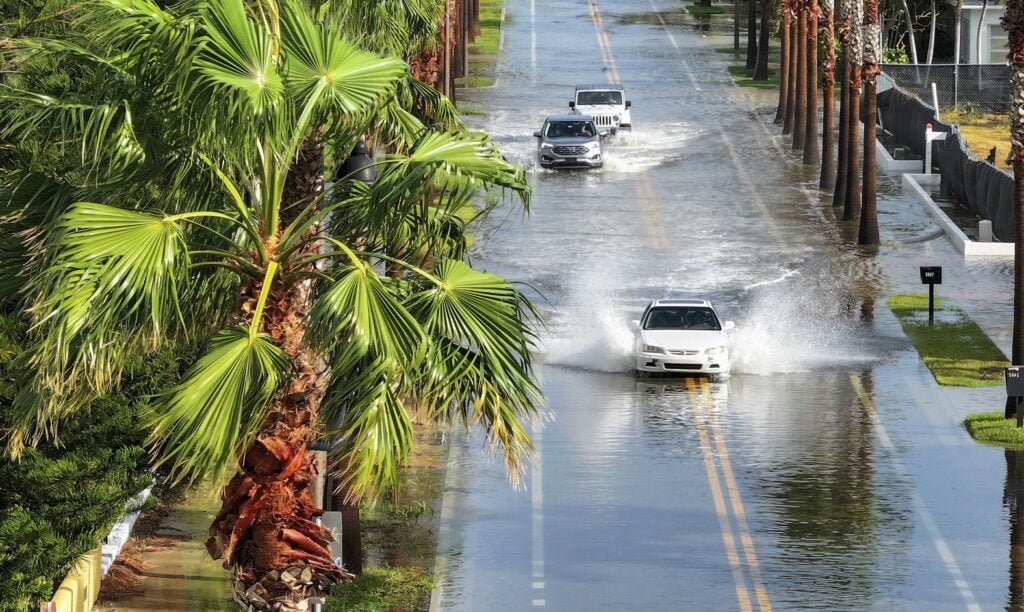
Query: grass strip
x=382 y=588
x=955 y=349
x=699 y=11
x=992 y=428
x=484 y=50
x=744 y=77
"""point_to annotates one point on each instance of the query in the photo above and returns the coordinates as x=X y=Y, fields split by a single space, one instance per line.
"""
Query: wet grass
x=380 y=589
x=992 y=428
x=400 y=539
x=484 y=50
x=982 y=131
x=955 y=349
x=698 y=10
x=744 y=77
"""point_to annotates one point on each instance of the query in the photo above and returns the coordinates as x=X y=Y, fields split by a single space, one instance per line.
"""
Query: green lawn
x=698 y=10
x=382 y=589
x=992 y=428
x=955 y=349
x=744 y=77
x=484 y=50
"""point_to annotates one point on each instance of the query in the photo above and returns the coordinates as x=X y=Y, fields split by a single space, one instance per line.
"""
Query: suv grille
x=570 y=151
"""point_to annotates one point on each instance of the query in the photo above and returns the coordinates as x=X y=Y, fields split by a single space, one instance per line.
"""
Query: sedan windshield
x=565 y=129
x=682 y=318
x=593 y=98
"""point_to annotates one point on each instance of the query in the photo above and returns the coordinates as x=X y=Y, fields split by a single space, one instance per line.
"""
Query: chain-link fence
x=982 y=86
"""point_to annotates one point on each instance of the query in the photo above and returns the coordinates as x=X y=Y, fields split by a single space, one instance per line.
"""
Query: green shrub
x=59 y=498
x=895 y=55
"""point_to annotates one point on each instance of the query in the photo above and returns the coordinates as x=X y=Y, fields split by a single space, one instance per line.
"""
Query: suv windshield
x=592 y=98
x=682 y=318
x=565 y=129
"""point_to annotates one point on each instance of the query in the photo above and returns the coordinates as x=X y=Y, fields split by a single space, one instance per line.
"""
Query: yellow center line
x=728 y=539
x=604 y=43
x=737 y=506
x=656 y=234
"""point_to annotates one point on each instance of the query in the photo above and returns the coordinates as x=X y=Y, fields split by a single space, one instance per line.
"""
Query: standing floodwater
x=816 y=477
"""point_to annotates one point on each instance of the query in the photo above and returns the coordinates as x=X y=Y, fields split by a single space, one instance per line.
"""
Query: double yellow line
x=602 y=41
x=725 y=494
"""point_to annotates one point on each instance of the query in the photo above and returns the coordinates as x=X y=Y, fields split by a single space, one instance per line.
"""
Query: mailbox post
x=931 y=276
x=1015 y=391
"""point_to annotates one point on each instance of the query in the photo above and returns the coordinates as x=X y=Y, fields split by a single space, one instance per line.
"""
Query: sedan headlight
x=651 y=348
x=715 y=350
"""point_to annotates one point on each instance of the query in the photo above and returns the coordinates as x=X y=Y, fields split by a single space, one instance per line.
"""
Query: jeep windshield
x=596 y=98
x=569 y=129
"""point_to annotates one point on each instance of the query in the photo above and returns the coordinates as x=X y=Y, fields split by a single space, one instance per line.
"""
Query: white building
x=993 y=47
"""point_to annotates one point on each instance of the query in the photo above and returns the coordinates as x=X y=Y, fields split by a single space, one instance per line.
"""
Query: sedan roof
x=671 y=302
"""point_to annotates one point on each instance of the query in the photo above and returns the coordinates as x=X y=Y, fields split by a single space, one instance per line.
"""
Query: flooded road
x=828 y=473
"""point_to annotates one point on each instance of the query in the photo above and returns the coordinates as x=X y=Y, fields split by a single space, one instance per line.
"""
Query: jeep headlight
x=615 y=117
x=715 y=350
x=651 y=348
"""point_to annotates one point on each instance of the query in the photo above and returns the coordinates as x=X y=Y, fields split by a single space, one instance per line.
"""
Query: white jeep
x=606 y=104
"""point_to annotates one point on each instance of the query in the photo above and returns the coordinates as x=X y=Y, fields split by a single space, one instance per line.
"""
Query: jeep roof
x=605 y=87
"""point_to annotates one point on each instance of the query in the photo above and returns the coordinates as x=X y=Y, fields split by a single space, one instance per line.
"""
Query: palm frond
x=202 y=425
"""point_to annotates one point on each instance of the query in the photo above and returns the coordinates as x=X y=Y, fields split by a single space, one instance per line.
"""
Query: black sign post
x=931 y=276
x=1015 y=391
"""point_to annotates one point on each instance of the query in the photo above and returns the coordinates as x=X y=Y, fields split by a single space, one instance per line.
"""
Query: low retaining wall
x=81 y=588
x=916 y=185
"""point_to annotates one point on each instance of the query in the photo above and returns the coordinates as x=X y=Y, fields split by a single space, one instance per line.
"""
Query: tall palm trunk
x=751 y=34
x=842 y=164
x=800 y=124
x=1013 y=22
x=266 y=529
x=812 y=150
x=794 y=77
x=828 y=99
x=872 y=38
x=761 y=69
x=851 y=203
x=780 y=110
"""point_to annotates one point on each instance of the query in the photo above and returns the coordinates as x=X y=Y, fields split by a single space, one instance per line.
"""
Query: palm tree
x=842 y=163
x=751 y=34
x=763 y=44
x=828 y=87
x=792 y=9
x=800 y=118
x=188 y=203
x=1013 y=23
x=872 y=40
x=782 y=107
x=812 y=152
x=851 y=203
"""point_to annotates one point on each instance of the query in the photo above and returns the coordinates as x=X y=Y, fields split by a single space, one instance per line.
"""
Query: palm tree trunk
x=842 y=166
x=872 y=36
x=812 y=150
x=737 y=16
x=351 y=530
x=780 y=110
x=761 y=68
x=828 y=90
x=794 y=76
x=751 y=34
x=800 y=126
x=851 y=203
x=1013 y=22
x=266 y=529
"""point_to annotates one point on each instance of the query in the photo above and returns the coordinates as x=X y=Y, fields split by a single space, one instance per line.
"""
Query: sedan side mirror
x=572 y=104
x=728 y=325
x=628 y=104
x=536 y=134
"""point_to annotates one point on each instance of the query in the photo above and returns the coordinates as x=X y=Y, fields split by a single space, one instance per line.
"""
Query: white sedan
x=682 y=337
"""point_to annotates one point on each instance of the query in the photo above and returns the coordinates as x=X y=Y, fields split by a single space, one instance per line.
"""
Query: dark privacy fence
x=969 y=180
x=983 y=86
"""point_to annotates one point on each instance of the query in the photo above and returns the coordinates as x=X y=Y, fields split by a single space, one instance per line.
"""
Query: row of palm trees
x=803 y=24
x=173 y=192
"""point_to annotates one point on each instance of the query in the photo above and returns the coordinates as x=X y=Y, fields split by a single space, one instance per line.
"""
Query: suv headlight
x=715 y=350
x=651 y=348
x=547 y=145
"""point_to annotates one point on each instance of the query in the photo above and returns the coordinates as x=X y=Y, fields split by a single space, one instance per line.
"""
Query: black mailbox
x=1015 y=381
x=931 y=275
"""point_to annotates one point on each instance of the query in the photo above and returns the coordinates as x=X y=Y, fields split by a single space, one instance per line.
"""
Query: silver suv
x=569 y=141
